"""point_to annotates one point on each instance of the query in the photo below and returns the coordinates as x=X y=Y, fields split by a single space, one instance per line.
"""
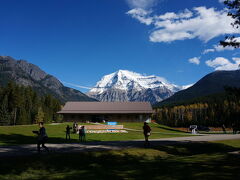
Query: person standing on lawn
x=74 y=127
x=82 y=134
x=147 y=133
x=42 y=137
x=68 y=130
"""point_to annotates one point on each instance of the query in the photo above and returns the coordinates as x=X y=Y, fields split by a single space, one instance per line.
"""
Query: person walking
x=42 y=137
x=68 y=130
x=147 y=133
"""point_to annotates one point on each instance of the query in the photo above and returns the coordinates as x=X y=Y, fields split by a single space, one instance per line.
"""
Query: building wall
x=106 y=117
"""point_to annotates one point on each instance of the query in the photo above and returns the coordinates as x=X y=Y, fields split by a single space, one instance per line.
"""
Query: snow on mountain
x=125 y=85
x=186 y=86
x=125 y=80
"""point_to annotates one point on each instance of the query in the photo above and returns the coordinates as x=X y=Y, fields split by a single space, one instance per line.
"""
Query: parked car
x=203 y=128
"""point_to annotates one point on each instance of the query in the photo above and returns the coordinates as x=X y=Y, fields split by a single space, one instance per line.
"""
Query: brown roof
x=106 y=107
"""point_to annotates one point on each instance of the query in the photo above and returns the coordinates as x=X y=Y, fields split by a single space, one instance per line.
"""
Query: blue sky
x=79 y=41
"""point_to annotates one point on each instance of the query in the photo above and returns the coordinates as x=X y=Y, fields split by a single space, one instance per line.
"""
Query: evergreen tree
x=214 y=110
x=234 y=12
x=5 y=116
x=22 y=105
x=40 y=116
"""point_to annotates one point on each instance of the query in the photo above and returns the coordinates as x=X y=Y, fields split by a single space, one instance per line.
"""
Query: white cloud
x=141 y=15
x=165 y=36
x=172 y=15
x=236 y=59
x=220 y=48
x=208 y=51
x=76 y=85
x=195 y=60
x=202 y=23
x=221 y=63
x=143 y=4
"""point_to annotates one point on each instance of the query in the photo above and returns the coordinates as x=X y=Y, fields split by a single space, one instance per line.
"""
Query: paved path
x=30 y=149
x=204 y=137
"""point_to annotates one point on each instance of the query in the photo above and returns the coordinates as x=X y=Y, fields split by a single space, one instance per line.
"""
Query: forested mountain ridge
x=22 y=105
x=213 y=110
x=23 y=73
x=210 y=84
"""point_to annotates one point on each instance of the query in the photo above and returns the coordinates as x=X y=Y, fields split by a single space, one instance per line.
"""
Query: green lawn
x=196 y=161
x=13 y=135
x=232 y=143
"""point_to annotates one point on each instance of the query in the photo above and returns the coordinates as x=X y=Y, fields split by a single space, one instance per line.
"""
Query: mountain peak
x=6 y=58
x=27 y=74
x=130 y=83
x=126 y=73
x=121 y=71
x=124 y=79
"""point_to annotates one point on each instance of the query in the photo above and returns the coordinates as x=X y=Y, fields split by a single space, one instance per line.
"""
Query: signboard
x=112 y=123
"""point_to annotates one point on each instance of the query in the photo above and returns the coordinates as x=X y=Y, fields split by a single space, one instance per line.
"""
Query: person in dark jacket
x=68 y=131
x=147 y=133
x=42 y=137
x=82 y=134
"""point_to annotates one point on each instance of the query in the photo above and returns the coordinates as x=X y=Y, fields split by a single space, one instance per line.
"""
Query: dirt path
x=30 y=149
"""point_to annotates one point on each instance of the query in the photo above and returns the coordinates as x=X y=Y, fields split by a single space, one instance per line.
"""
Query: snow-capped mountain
x=125 y=85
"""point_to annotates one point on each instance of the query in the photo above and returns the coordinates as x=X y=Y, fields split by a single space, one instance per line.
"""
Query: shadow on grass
x=122 y=165
x=16 y=139
x=194 y=148
x=183 y=161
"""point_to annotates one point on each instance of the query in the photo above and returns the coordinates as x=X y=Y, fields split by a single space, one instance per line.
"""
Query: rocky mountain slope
x=210 y=84
x=27 y=74
x=125 y=85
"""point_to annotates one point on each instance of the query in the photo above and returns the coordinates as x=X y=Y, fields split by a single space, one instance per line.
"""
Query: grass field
x=196 y=161
x=13 y=135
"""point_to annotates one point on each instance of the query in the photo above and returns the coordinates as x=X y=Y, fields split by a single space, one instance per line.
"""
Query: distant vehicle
x=203 y=128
